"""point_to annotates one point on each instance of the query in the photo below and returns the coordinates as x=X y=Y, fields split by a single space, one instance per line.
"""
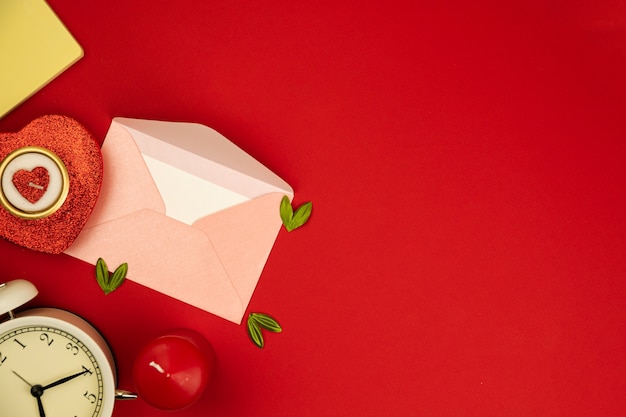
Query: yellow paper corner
x=35 y=47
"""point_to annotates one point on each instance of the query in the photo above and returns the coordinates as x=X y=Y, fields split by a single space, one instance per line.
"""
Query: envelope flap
x=243 y=237
x=204 y=153
x=127 y=185
x=165 y=255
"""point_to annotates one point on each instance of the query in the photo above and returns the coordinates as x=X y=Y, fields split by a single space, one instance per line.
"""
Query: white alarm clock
x=52 y=362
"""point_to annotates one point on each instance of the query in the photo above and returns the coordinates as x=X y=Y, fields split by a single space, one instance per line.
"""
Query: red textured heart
x=79 y=154
x=32 y=185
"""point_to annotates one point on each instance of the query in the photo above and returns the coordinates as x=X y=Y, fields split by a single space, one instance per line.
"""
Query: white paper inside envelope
x=188 y=198
x=193 y=215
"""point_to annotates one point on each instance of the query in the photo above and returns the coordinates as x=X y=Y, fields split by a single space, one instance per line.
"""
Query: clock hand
x=36 y=391
x=64 y=380
x=40 y=405
x=22 y=378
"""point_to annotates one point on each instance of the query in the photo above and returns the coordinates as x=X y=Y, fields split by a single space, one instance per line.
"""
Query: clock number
x=91 y=397
x=89 y=371
x=2 y=358
x=72 y=348
x=46 y=338
x=20 y=343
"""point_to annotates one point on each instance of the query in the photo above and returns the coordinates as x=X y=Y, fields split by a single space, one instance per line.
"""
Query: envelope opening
x=188 y=198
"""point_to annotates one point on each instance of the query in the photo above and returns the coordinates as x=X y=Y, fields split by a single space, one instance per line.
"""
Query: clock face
x=46 y=371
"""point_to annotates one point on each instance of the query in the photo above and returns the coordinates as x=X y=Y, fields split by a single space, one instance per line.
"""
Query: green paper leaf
x=118 y=276
x=293 y=220
x=286 y=211
x=267 y=322
x=258 y=321
x=107 y=282
x=255 y=333
x=302 y=214
x=102 y=273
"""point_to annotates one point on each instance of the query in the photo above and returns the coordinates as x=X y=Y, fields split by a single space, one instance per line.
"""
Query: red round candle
x=172 y=371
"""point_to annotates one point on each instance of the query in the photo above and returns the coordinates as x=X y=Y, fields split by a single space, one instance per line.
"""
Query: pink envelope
x=193 y=215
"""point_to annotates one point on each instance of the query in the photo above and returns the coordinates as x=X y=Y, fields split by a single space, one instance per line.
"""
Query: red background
x=465 y=256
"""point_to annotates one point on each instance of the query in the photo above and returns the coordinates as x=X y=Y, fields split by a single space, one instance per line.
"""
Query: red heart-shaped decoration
x=32 y=185
x=79 y=154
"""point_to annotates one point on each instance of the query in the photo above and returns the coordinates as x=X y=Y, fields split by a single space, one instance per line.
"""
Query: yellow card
x=35 y=47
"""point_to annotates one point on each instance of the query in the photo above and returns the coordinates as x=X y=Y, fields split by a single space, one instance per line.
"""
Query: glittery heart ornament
x=50 y=179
